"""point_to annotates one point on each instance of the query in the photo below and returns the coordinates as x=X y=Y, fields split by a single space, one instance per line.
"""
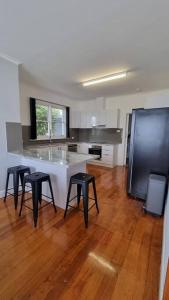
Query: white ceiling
x=61 y=43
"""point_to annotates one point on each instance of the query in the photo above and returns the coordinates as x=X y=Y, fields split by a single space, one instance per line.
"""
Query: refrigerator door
x=149 y=148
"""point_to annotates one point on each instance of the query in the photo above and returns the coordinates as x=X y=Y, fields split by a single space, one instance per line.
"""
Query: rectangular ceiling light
x=105 y=78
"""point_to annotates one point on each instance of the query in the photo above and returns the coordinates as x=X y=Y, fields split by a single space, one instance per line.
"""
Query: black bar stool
x=36 y=179
x=17 y=172
x=82 y=180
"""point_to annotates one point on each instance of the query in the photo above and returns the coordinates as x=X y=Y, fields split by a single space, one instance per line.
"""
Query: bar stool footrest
x=38 y=207
x=76 y=207
x=77 y=196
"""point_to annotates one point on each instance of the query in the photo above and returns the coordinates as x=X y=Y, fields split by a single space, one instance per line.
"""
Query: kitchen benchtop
x=92 y=143
x=53 y=144
x=50 y=154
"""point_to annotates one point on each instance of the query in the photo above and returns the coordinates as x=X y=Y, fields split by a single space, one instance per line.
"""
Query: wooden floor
x=117 y=257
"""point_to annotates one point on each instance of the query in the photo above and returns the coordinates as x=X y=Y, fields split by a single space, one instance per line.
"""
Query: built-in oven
x=72 y=147
x=96 y=150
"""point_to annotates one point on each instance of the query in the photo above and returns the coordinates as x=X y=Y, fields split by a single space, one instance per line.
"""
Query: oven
x=96 y=150
x=72 y=147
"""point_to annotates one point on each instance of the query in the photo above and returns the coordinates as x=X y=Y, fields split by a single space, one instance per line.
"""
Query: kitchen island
x=59 y=164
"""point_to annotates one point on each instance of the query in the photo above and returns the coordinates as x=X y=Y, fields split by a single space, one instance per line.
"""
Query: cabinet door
x=77 y=119
x=83 y=148
x=74 y=119
x=111 y=119
x=102 y=118
x=83 y=119
x=108 y=154
x=89 y=120
x=98 y=118
x=93 y=119
x=108 y=149
x=79 y=148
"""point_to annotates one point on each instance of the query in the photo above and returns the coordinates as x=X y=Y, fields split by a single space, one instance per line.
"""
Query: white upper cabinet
x=97 y=118
x=90 y=120
x=104 y=118
x=74 y=119
x=111 y=119
x=83 y=119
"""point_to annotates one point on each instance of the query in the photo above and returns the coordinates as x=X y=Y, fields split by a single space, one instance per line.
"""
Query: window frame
x=49 y=120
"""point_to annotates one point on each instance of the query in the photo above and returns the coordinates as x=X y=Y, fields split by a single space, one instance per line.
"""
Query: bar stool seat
x=17 y=172
x=20 y=169
x=81 y=177
x=82 y=180
x=36 y=179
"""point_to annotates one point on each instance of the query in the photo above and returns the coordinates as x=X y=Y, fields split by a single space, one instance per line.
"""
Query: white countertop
x=92 y=143
x=52 y=155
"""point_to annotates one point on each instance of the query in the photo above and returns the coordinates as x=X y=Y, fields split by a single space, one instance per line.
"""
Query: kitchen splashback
x=94 y=135
x=100 y=135
x=14 y=136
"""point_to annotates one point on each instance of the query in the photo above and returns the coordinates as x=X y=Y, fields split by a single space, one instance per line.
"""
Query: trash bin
x=155 y=194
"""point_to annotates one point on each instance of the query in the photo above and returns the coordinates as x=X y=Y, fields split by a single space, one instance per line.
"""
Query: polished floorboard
x=117 y=257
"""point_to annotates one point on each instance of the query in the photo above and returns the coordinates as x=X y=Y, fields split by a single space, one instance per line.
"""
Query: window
x=50 y=121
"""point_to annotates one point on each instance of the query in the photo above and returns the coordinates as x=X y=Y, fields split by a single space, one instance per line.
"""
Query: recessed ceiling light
x=105 y=78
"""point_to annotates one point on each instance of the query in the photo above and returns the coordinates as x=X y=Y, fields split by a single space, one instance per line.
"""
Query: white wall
x=126 y=104
x=27 y=91
x=9 y=110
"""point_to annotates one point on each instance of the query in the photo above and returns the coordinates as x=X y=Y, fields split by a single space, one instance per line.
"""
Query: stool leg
x=39 y=191
x=85 y=190
x=68 y=197
x=51 y=191
x=78 y=193
x=6 y=187
x=23 y=196
x=22 y=178
x=35 y=199
x=95 y=194
x=15 y=186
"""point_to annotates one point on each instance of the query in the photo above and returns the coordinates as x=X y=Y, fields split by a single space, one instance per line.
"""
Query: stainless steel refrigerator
x=149 y=148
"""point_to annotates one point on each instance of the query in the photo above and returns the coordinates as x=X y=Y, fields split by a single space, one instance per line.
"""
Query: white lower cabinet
x=108 y=154
x=83 y=148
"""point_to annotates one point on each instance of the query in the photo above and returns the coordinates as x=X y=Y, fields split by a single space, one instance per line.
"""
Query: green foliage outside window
x=42 y=120
x=56 y=119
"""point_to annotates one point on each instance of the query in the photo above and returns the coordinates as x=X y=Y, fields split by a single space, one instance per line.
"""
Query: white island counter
x=59 y=164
